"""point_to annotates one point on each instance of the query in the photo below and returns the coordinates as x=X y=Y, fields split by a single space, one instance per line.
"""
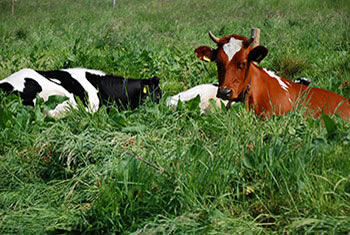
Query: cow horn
x=248 y=42
x=213 y=37
x=256 y=36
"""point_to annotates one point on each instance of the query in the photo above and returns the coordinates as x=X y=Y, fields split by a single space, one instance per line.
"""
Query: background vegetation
x=155 y=170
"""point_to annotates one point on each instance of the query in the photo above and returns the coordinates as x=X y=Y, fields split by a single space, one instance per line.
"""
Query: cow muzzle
x=224 y=93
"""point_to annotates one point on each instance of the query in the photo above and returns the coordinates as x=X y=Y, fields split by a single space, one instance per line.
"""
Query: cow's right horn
x=213 y=37
x=256 y=37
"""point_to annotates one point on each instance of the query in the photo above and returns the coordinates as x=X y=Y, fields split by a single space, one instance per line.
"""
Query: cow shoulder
x=69 y=82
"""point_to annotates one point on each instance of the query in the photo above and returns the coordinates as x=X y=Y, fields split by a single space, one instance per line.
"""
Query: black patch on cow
x=134 y=92
x=31 y=88
x=124 y=92
x=109 y=88
x=6 y=87
x=67 y=82
x=303 y=81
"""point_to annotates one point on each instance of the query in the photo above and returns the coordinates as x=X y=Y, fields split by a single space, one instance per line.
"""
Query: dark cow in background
x=93 y=87
x=240 y=79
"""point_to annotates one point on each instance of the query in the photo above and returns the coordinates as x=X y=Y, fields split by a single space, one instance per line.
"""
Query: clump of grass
x=21 y=34
x=290 y=66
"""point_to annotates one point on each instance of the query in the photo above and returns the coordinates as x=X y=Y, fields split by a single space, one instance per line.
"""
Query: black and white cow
x=206 y=92
x=93 y=87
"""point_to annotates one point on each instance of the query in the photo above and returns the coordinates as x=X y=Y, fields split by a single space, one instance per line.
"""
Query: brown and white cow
x=240 y=79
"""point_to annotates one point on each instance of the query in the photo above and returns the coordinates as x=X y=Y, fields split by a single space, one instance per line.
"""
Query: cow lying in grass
x=241 y=80
x=93 y=87
x=207 y=92
x=204 y=91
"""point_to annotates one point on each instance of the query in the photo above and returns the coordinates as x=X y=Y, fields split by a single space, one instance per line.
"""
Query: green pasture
x=157 y=170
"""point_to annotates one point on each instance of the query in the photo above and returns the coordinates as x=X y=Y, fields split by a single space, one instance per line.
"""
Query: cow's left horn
x=248 y=42
x=213 y=37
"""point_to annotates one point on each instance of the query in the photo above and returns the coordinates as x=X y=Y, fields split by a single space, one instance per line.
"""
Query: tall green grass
x=160 y=170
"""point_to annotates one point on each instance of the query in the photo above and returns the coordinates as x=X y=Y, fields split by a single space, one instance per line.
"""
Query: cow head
x=151 y=89
x=233 y=57
x=139 y=90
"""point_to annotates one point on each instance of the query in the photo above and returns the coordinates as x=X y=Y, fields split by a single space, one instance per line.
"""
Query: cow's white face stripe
x=232 y=47
x=283 y=85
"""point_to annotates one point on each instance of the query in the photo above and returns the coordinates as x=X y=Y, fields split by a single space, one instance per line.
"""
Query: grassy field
x=155 y=170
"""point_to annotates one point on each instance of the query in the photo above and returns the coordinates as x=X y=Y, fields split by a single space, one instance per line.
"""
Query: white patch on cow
x=53 y=87
x=55 y=80
x=49 y=88
x=60 y=109
x=17 y=79
x=205 y=91
x=79 y=74
x=284 y=85
x=232 y=47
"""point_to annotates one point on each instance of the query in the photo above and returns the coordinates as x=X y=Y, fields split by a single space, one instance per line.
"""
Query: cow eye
x=242 y=65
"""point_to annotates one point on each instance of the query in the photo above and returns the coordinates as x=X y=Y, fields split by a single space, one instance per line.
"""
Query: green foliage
x=289 y=66
x=159 y=170
x=330 y=125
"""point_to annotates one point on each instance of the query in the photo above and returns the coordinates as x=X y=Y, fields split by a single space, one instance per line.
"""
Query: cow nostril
x=224 y=93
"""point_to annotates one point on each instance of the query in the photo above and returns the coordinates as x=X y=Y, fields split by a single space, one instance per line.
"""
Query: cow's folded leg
x=60 y=109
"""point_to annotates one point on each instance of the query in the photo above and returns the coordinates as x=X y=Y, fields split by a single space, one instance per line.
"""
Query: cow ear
x=151 y=81
x=155 y=80
x=258 y=54
x=205 y=53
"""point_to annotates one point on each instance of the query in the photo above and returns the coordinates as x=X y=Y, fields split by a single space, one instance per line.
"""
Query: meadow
x=160 y=170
